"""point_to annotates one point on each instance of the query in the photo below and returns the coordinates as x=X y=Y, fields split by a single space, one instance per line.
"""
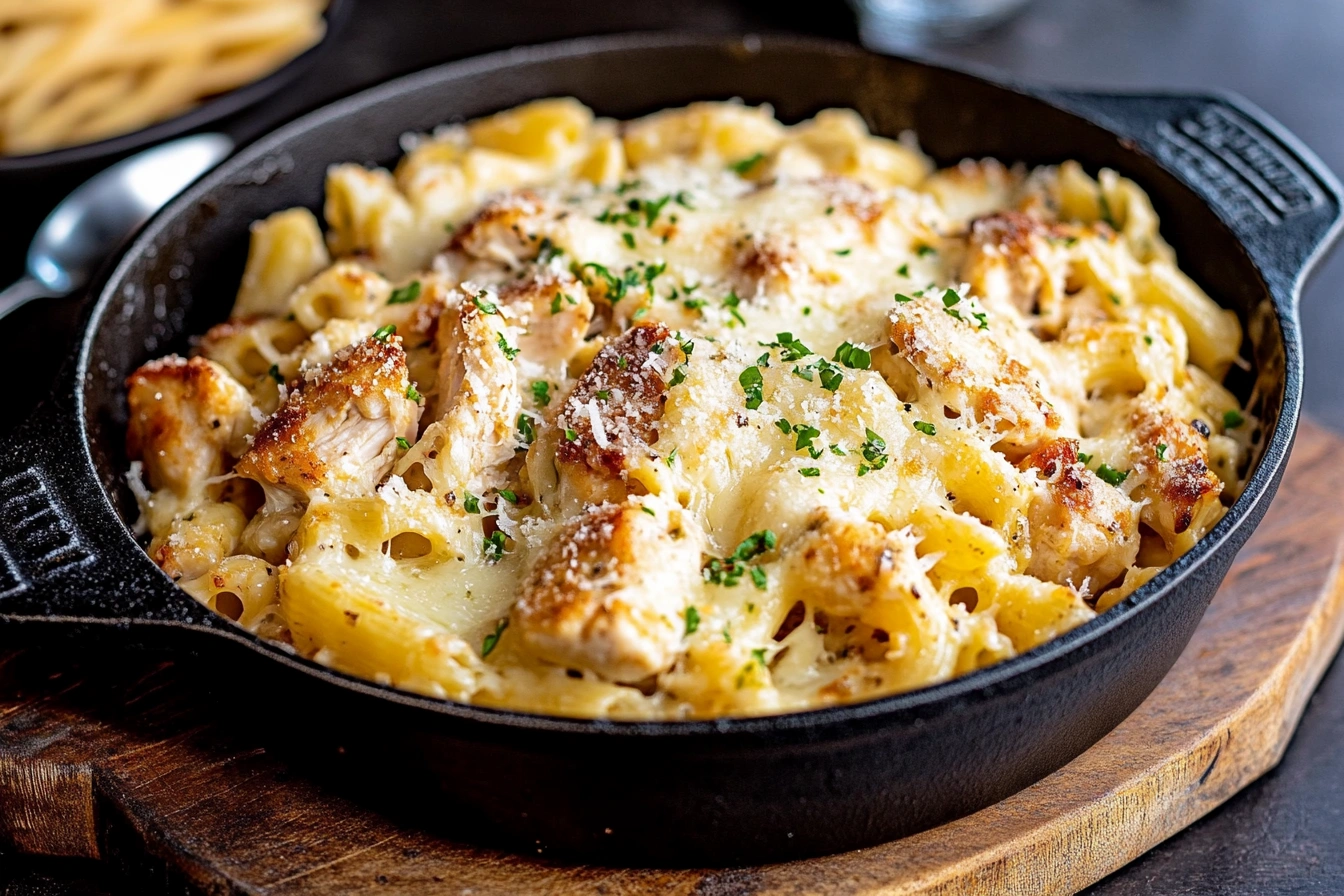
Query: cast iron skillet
x=1248 y=208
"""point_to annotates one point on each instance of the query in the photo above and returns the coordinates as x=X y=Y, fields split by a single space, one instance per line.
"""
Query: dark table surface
x=1282 y=835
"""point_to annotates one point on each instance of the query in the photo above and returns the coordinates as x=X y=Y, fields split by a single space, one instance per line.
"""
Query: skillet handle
x=1276 y=196
x=65 y=556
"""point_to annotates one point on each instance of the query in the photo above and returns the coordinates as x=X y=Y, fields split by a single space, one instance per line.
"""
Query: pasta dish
x=76 y=71
x=689 y=416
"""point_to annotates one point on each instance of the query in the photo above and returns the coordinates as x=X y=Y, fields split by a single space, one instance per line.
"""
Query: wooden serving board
x=118 y=759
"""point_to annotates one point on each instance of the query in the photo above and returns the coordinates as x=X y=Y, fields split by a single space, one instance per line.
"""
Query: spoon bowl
x=101 y=214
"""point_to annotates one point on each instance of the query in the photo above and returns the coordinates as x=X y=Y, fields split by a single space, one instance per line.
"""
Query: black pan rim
x=222 y=106
x=969 y=688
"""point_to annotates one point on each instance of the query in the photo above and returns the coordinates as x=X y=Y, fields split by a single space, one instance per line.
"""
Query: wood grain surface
x=118 y=758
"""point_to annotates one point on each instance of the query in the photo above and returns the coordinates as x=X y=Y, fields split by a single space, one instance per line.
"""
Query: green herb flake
x=902 y=299
x=541 y=392
x=1161 y=452
x=927 y=428
x=853 y=356
x=838 y=451
x=784 y=426
x=384 y=333
x=492 y=640
x=843 y=252
x=486 y=306
x=509 y=495
x=653 y=208
x=809 y=472
x=1105 y=205
x=527 y=434
x=742 y=166
x=903 y=270
x=924 y=251
x=950 y=298
x=276 y=375
x=731 y=302
x=1084 y=457
x=1110 y=475
x=571 y=435
x=629 y=239
x=692 y=620
x=758 y=578
x=547 y=251
x=671 y=457
x=413 y=393
x=683 y=199
x=406 y=294
x=1232 y=419
x=727 y=635
x=493 y=547
x=758 y=655
x=509 y=351
x=874 y=450
x=471 y=503
x=728 y=571
x=403 y=443
x=650 y=511
x=679 y=374
x=752 y=385
x=790 y=349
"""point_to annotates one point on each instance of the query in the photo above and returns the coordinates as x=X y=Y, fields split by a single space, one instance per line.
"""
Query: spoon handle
x=20 y=292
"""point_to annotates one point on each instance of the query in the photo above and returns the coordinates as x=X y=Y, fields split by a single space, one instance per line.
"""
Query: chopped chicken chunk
x=556 y=312
x=184 y=414
x=1010 y=258
x=613 y=412
x=505 y=229
x=1081 y=528
x=971 y=373
x=1170 y=464
x=609 y=591
x=336 y=433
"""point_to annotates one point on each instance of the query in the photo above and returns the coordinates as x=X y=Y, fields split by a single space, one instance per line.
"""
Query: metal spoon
x=101 y=213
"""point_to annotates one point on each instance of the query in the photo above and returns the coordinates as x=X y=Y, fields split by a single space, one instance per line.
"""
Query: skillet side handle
x=64 y=554
x=1276 y=196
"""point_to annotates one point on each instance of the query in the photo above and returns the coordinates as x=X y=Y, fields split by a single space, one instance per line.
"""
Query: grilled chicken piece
x=478 y=401
x=336 y=433
x=184 y=414
x=613 y=413
x=506 y=229
x=853 y=567
x=1081 y=528
x=554 y=309
x=609 y=592
x=932 y=351
x=194 y=544
x=1180 y=491
x=1010 y=258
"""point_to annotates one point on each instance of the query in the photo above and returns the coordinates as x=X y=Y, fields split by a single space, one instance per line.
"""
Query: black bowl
x=1248 y=208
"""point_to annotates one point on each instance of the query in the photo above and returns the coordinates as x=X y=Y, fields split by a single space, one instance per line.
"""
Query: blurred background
x=1287 y=56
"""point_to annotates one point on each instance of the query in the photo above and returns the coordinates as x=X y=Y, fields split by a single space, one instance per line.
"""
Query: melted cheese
x=715 y=416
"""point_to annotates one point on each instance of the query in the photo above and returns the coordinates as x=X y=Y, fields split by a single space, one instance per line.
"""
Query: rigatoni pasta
x=689 y=416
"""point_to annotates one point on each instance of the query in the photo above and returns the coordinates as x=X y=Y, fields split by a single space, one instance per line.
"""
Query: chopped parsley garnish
x=384 y=333
x=927 y=428
x=1085 y=458
x=492 y=640
x=493 y=547
x=541 y=392
x=806 y=435
x=1106 y=215
x=679 y=374
x=843 y=252
x=784 y=426
x=731 y=301
x=752 y=384
x=471 y=503
x=1147 y=340
x=830 y=209
x=692 y=620
x=555 y=302
x=903 y=270
x=728 y=571
x=403 y=443
x=830 y=375
x=1161 y=452
x=809 y=472
x=742 y=166
x=650 y=511
x=1110 y=475
x=622 y=363
x=727 y=635
x=604 y=394
x=509 y=351
x=486 y=306
x=406 y=294
x=759 y=578
x=652 y=208
x=902 y=298
x=413 y=393
x=615 y=286
x=651 y=272
x=526 y=433
x=790 y=349
x=1115 y=299
x=924 y=251
x=571 y=435
x=548 y=250
x=683 y=199
x=509 y=495
x=694 y=304
x=838 y=451
x=629 y=239
x=874 y=450
x=1232 y=419
x=983 y=318
x=671 y=457
x=853 y=356
x=759 y=654
x=276 y=375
